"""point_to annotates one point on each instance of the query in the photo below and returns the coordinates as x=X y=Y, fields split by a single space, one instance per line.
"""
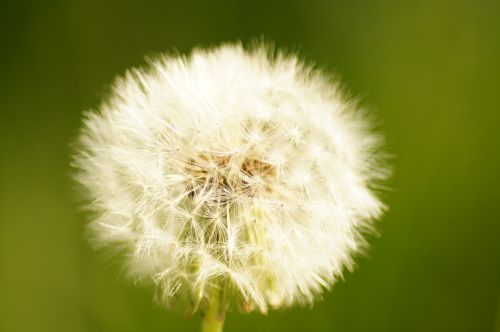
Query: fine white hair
x=236 y=170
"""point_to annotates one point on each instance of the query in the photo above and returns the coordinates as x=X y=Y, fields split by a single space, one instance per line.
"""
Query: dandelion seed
x=231 y=177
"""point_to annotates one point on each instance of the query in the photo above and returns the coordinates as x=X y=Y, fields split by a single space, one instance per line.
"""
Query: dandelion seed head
x=231 y=169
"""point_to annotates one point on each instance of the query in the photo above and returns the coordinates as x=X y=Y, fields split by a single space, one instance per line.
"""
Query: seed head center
x=225 y=177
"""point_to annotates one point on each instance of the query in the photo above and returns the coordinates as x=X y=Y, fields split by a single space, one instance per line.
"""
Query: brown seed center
x=223 y=177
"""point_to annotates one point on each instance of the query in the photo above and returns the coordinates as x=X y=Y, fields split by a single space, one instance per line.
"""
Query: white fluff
x=233 y=171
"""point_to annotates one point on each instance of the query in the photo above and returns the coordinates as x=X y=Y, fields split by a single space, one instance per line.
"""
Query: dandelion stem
x=213 y=318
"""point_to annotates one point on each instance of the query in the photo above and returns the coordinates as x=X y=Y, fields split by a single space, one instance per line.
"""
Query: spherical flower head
x=237 y=172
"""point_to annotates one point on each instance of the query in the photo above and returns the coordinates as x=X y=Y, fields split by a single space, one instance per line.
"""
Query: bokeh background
x=430 y=71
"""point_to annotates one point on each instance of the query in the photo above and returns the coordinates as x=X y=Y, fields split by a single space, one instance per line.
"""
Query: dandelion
x=231 y=178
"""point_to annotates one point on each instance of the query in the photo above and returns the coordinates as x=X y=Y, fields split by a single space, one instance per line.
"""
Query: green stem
x=213 y=318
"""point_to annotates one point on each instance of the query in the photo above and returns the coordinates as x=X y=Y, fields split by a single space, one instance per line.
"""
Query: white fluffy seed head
x=232 y=171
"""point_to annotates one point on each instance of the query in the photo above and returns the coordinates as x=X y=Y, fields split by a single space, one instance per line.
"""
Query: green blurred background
x=430 y=69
